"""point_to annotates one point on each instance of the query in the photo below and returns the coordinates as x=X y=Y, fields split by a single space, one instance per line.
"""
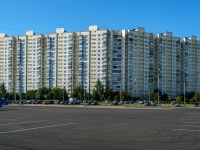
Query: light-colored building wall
x=34 y=60
x=128 y=60
x=169 y=64
x=140 y=62
x=7 y=45
x=118 y=60
x=99 y=56
x=191 y=63
x=50 y=61
x=21 y=64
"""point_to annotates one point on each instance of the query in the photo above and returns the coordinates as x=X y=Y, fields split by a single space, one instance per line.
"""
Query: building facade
x=135 y=61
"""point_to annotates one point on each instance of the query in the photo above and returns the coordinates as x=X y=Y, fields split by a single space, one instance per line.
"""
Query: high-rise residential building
x=141 y=57
x=169 y=64
x=7 y=51
x=135 y=61
x=20 y=74
x=117 y=60
x=191 y=63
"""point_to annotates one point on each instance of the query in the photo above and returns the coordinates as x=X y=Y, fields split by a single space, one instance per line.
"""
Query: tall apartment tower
x=141 y=57
x=191 y=63
x=7 y=47
x=20 y=74
x=84 y=60
x=124 y=60
x=50 y=61
x=117 y=59
x=100 y=56
x=169 y=64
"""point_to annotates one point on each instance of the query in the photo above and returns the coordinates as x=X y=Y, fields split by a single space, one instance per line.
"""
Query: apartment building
x=169 y=60
x=141 y=57
x=191 y=63
x=20 y=74
x=100 y=56
x=7 y=48
x=135 y=61
x=50 y=61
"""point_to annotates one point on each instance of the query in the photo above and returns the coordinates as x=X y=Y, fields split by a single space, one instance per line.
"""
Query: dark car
x=173 y=102
x=131 y=102
x=126 y=102
x=94 y=103
x=115 y=103
x=89 y=102
x=196 y=104
x=71 y=103
x=39 y=102
x=141 y=102
x=50 y=102
x=153 y=103
x=147 y=104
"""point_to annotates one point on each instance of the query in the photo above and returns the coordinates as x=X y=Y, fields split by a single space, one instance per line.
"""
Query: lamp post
x=158 y=90
x=120 y=93
x=184 y=93
x=63 y=93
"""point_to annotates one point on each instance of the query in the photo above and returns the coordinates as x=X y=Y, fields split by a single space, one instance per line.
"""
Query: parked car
x=39 y=102
x=94 y=103
x=141 y=102
x=89 y=102
x=126 y=102
x=65 y=102
x=177 y=105
x=153 y=103
x=114 y=103
x=71 y=103
x=196 y=104
x=45 y=102
x=131 y=102
x=50 y=102
x=173 y=102
x=147 y=104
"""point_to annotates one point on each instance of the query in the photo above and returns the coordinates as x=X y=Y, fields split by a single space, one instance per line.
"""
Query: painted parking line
x=9 y=119
x=188 y=119
x=189 y=122
x=21 y=123
x=36 y=128
x=188 y=126
x=187 y=130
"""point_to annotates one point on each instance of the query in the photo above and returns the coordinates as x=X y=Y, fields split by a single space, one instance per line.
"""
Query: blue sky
x=44 y=16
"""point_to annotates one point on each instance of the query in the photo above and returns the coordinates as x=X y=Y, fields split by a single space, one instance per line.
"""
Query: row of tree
x=100 y=93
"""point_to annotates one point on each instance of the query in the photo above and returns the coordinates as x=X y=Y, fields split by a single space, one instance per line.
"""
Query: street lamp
x=158 y=90
x=184 y=93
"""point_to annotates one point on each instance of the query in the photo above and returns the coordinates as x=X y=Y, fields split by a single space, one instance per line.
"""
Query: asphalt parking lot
x=40 y=128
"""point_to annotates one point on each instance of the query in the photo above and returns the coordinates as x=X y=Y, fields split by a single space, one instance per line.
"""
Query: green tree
x=125 y=96
x=78 y=92
x=178 y=99
x=42 y=92
x=117 y=97
x=169 y=99
x=195 y=98
x=23 y=96
x=3 y=90
x=57 y=93
x=189 y=95
x=155 y=96
x=136 y=97
x=98 y=91
x=30 y=94
x=164 y=97
x=108 y=95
